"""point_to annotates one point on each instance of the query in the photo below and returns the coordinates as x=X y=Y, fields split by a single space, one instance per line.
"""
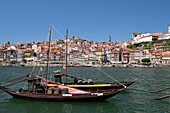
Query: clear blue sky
x=29 y=20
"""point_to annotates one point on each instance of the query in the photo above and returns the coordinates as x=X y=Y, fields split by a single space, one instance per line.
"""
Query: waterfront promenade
x=108 y=65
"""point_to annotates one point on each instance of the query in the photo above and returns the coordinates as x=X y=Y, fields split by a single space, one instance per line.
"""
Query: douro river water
x=135 y=99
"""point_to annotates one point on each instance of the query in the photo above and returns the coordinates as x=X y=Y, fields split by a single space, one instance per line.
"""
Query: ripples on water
x=135 y=99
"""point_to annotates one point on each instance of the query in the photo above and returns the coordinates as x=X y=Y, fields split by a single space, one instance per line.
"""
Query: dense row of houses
x=86 y=52
x=79 y=51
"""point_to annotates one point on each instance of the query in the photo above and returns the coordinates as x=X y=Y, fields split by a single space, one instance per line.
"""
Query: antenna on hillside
x=110 y=39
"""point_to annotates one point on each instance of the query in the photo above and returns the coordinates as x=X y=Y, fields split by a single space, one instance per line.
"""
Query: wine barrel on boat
x=65 y=91
x=90 y=82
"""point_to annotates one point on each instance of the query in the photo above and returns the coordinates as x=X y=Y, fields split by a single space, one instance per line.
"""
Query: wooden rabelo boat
x=89 y=96
x=40 y=88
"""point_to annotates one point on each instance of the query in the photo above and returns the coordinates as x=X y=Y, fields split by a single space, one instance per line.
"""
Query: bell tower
x=169 y=28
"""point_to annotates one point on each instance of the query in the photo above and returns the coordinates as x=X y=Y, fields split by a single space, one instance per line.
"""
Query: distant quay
x=31 y=64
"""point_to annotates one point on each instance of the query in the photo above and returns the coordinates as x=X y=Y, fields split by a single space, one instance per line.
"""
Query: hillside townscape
x=152 y=46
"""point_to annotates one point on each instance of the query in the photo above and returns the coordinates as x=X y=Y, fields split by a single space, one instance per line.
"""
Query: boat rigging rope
x=57 y=31
x=110 y=77
x=34 y=67
x=30 y=75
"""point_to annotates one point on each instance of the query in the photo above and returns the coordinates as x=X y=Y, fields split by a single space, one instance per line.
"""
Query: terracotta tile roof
x=95 y=46
x=29 y=49
x=133 y=51
x=1 y=48
x=76 y=38
x=154 y=34
x=55 y=51
x=166 y=54
x=44 y=47
x=157 y=34
x=110 y=47
x=56 y=46
x=166 y=33
x=23 y=47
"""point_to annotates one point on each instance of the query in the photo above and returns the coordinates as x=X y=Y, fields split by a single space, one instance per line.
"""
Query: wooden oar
x=156 y=91
x=16 y=78
x=69 y=76
x=15 y=82
x=163 y=97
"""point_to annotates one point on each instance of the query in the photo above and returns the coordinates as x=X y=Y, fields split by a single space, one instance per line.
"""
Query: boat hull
x=62 y=97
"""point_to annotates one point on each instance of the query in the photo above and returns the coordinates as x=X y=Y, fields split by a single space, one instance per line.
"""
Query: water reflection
x=28 y=106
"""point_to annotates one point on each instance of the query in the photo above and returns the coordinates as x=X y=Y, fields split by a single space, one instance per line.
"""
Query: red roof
x=166 y=55
x=1 y=48
x=157 y=34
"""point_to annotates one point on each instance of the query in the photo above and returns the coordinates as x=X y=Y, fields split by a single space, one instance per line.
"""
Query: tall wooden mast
x=48 y=52
x=66 y=53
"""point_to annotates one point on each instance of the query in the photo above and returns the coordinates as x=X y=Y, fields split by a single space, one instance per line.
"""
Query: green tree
x=149 y=44
x=166 y=43
x=131 y=46
x=146 y=60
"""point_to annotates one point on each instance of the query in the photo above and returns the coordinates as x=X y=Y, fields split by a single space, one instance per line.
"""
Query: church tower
x=110 y=39
x=169 y=28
